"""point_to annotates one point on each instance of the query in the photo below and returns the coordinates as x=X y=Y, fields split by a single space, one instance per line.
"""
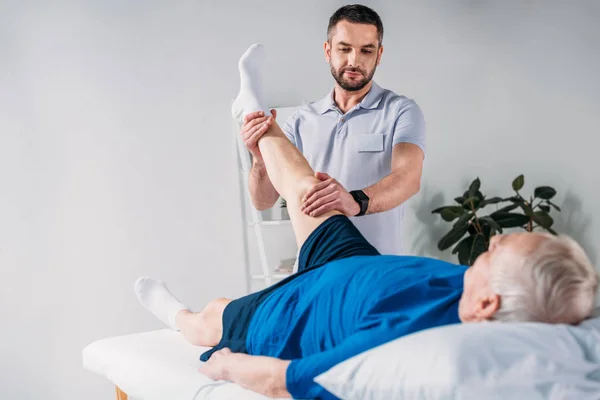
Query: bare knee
x=302 y=187
x=213 y=312
x=205 y=328
x=218 y=305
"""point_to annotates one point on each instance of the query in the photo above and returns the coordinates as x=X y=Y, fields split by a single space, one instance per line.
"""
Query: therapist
x=367 y=142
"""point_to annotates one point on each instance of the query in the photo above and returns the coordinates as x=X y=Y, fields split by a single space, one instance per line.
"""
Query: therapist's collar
x=369 y=102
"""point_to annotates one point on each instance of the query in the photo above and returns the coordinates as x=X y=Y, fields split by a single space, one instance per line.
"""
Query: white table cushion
x=158 y=365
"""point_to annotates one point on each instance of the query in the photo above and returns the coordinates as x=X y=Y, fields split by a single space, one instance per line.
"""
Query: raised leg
x=293 y=177
x=288 y=170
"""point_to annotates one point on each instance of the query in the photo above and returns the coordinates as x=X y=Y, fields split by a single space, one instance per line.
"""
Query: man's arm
x=262 y=192
x=273 y=377
x=402 y=183
x=264 y=375
x=283 y=378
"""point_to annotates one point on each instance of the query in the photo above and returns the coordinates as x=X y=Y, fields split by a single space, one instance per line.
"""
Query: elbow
x=262 y=206
x=417 y=185
x=265 y=201
x=258 y=206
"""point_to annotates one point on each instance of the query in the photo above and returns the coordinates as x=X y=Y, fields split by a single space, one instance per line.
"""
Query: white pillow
x=490 y=360
x=593 y=322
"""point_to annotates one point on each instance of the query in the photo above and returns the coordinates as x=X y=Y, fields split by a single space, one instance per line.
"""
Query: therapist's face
x=353 y=53
x=479 y=302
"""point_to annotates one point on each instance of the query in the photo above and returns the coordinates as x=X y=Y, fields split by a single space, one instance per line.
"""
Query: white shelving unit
x=256 y=223
x=272 y=223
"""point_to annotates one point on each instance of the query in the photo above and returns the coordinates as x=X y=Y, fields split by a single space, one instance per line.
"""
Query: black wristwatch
x=363 y=201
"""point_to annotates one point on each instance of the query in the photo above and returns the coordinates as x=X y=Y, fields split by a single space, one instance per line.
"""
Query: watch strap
x=363 y=201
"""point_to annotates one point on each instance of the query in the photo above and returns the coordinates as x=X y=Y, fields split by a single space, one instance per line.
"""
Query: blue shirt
x=348 y=306
x=355 y=148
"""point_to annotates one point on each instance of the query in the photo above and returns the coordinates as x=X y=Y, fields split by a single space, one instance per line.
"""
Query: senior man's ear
x=487 y=306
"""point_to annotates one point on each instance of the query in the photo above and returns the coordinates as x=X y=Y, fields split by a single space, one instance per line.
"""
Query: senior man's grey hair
x=555 y=283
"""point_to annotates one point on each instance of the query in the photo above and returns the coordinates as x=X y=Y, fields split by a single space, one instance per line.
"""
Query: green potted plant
x=471 y=232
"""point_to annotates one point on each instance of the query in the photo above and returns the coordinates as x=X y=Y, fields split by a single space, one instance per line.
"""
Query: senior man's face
x=478 y=301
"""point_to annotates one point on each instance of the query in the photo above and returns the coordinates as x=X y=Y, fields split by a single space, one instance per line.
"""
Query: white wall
x=506 y=90
x=116 y=157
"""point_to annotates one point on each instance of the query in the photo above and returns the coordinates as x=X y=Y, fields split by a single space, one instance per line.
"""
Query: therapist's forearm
x=393 y=190
x=264 y=375
x=263 y=193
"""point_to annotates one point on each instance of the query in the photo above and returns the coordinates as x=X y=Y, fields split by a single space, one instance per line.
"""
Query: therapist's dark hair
x=356 y=14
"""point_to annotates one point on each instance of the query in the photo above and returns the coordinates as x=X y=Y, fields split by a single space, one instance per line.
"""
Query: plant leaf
x=467 y=205
x=459 y=200
x=477 y=247
x=509 y=220
x=463 y=248
x=456 y=248
x=544 y=192
x=464 y=219
x=478 y=194
x=440 y=209
x=470 y=248
x=552 y=231
x=518 y=183
x=487 y=231
x=516 y=200
x=508 y=208
x=474 y=187
x=472 y=202
x=527 y=209
x=544 y=208
x=451 y=213
x=557 y=208
x=493 y=200
x=472 y=230
x=543 y=219
x=493 y=224
x=452 y=237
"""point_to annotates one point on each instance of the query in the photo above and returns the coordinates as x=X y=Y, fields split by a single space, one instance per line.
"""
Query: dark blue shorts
x=334 y=239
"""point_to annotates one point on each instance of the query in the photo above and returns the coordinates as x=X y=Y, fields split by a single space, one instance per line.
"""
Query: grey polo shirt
x=356 y=149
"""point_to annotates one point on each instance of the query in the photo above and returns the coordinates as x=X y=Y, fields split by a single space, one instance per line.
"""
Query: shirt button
x=343 y=119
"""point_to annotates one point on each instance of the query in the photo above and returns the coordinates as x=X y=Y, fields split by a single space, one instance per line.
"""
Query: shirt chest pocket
x=369 y=142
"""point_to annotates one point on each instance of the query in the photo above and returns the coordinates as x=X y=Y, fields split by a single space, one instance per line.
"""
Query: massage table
x=158 y=365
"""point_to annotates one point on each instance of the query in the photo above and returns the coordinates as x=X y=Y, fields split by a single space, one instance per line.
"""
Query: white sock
x=156 y=298
x=250 y=98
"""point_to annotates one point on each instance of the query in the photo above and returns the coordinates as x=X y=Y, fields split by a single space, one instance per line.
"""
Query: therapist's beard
x=352 y=86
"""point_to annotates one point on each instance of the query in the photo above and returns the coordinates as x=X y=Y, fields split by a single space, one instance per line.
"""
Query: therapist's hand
x=328 y=195
x=255 y=125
